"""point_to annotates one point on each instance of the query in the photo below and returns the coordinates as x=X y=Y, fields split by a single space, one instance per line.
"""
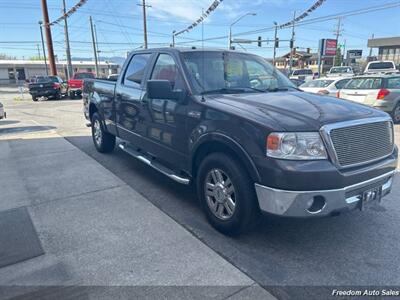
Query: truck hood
x=75 y=83
x=293 y=111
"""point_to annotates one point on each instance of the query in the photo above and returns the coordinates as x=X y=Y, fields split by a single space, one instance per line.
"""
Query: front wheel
x=35 y=99
x=227 y=194
x=396 y=114
x=103 y=141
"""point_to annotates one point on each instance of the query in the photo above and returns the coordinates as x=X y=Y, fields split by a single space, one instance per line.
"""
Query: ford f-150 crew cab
x=246 y=137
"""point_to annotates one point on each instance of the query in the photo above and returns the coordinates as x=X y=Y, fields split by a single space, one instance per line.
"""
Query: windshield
x=317 y=83
x=364 y=83
x=340 y=70
x=381 y=65
x=47 y=79
x=302 y=72
x=212 y=71
x=83 y=75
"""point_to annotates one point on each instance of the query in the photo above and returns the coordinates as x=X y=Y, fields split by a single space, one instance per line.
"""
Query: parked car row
x=55 y=87
x=380 y=90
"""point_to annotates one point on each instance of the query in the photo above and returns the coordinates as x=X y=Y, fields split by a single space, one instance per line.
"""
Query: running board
x=155 y=165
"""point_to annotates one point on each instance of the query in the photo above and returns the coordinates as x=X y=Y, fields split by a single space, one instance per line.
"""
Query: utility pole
x=53 y=68
x=94 y=47
x=144 y=22
x=38 y=51
x=275 y=40
x=370 y=48
x=43 y=48
x=97 y=42
x=338 y=32
x=67 y=47
x=292 y=44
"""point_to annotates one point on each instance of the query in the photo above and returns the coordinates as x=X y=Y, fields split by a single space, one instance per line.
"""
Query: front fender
x=232 y=144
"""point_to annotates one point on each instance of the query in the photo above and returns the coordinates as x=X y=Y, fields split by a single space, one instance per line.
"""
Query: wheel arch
x=217 y=142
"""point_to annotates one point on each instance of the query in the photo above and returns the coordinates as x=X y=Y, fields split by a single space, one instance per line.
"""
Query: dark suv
x=247 y=138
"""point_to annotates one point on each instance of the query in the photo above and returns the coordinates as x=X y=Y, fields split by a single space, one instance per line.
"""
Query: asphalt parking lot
x=282 y=255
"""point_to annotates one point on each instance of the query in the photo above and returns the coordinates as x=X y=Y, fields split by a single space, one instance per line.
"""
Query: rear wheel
x=34 y=98
x=226 y=193
x=103 y=141
x=57 y=96
x=396 y=113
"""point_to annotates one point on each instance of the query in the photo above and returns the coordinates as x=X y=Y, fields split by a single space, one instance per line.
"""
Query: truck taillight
x=338 y=94
x=56 y=85
x=382 y=94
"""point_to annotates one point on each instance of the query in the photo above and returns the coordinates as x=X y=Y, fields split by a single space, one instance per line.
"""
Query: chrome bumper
x=302 y=203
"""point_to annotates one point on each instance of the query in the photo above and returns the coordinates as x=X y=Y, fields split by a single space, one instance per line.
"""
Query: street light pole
x=44 y=49
x=173 y=38
x=276 y=35
x=230 y=27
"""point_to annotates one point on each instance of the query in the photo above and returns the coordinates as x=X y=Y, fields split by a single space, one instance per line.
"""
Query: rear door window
x=341 y=83
x=393 y=83
x=365 y=83
x=136 y=70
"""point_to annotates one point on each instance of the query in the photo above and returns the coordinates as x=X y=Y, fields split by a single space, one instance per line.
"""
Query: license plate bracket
x=370 y=196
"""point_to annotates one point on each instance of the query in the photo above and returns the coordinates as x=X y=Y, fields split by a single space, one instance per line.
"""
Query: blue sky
x=120 y=21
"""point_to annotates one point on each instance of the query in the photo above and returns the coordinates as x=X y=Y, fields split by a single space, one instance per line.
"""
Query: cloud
x=186 y=10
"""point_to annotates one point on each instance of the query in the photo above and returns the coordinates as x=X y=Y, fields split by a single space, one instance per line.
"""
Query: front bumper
x=44 y=93
x=300 y=203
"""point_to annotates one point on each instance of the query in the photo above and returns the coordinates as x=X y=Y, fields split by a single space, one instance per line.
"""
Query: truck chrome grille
x=362 y=143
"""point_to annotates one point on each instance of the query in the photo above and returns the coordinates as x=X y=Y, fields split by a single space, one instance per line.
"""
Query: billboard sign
x=354 y=54
x=330 y=47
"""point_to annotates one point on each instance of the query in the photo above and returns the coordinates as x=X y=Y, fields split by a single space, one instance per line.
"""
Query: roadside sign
x=354 y=54
x=330 y=47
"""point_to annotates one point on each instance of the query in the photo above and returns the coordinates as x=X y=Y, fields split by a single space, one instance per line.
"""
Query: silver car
x=3 y=114
x=379 y=91
x=324 y=86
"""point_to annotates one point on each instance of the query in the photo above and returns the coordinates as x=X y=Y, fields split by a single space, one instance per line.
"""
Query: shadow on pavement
x=7 y=122
x=25 y=129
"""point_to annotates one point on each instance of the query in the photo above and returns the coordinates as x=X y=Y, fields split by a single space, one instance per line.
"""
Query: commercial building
x=388 y=48
x=13 y=70
x=304 y=59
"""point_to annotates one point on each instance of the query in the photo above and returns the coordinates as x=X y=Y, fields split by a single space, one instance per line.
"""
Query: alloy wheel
x=220 y=194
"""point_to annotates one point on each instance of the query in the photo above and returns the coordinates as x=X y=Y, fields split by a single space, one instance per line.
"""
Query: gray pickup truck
x=243 y=134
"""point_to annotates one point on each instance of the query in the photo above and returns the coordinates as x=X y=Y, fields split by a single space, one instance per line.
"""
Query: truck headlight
x=296 y=145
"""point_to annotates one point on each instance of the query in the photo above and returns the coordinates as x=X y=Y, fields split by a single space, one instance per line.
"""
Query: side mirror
x=162 y=89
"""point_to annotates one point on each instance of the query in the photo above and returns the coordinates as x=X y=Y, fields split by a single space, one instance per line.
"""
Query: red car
x=76 y=82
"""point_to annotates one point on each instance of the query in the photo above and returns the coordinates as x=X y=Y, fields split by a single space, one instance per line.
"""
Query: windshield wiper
x=234 y=90
x=282 y=89
x=224 y=91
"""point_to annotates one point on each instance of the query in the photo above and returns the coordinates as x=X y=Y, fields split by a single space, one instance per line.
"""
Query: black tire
x=396 y=114
x=57 y=96
x=106 y=142
x=246 y=210
x=34 y=99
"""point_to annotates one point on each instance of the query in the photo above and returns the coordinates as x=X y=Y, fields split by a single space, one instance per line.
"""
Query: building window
x=11 y=74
